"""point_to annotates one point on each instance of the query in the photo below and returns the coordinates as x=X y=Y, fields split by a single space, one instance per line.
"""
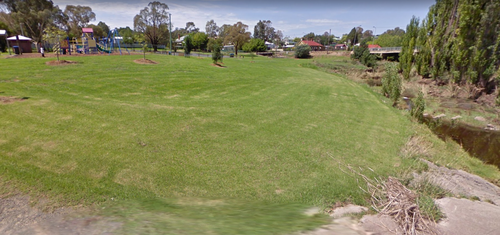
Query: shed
x=24 y=43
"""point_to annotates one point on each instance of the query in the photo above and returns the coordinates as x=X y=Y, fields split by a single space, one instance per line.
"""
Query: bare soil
x=145 y=61
x=10 y=99
x=219 y=65
x=18 y=217
x=60 y=62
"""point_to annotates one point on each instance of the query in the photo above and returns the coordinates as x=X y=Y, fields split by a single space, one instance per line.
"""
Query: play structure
x=87 y=44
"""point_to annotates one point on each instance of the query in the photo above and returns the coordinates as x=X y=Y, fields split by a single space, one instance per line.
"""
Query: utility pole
x=170 y=30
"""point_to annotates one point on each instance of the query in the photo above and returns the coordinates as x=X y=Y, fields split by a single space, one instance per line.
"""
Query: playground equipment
x=87 y=44
x=110 y=43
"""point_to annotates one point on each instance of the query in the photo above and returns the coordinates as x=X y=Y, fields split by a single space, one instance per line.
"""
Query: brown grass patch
x=11 y=99
x=145 y=61
x=60 y=62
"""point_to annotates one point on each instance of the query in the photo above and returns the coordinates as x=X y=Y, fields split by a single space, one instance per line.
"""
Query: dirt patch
x=11 y=99
x=145 y=61
x=18 y=217
x=219 y=65
x=60 y=62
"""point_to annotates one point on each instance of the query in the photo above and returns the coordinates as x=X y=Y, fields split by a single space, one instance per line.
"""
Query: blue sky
x=295 y=18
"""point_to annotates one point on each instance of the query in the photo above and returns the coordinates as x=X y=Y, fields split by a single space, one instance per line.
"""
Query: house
x=373 y=47
x=340 y=47
x=314 y=45
x=179 y=42
x=24 y=43
x=269 y=45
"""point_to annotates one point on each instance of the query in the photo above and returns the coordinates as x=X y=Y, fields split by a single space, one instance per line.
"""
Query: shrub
x=362 y=53
x=255 y=44
x=188 y=45
x=391 y=83
x=216 y=54
x=417 y=111
x=302 y=51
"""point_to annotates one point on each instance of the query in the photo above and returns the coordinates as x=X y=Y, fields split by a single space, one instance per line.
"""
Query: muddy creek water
x=478 y=142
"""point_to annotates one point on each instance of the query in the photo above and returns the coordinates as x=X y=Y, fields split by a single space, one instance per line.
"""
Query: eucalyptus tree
x=211 y=29
x=237 y=36
x=78 y=17
x=152 y=21
x=32 y=16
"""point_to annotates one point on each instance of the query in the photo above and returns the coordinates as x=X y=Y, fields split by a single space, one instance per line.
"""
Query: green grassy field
x=243 y=149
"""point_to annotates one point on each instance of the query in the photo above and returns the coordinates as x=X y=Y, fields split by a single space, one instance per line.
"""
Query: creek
x=478 y=142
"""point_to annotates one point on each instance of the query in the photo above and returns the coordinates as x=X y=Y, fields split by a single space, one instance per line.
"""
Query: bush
x=255 y=44
x=302 y=51
x=362 y=53
x=391 y=83
x=417 y=111
x=188 y=45
x=216 y=54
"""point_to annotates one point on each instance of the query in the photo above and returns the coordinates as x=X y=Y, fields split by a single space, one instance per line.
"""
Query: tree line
x=458 y=41
x=40 y=18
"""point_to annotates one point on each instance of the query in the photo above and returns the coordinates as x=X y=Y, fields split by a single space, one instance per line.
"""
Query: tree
x=200 y=40
x=390 y=38
x=54 y=35
x=188 y=44
x=78 y=17
x=191 y=28
x=278 y=36
x=33 y=15
x=213 y=41
x=264 y=30
x=408 y=46
x=98 y=32
x=237 y=36
x=391 y=83
x=302 y=51
x=128 y=37
x=152 y=22
x=355 y=36
x=3 y=41
x=310 y=36
x=367 y=34
x=104 y=27
x=255 y=44
x=216 y=53
x=362 y=53
x=212 y=29
x=224 y=31
x=460 y=41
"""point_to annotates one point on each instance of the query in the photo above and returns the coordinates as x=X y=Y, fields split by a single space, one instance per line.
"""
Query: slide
x=100 y=48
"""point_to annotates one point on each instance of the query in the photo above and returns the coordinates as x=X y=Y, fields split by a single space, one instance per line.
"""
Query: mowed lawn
x=218 y=147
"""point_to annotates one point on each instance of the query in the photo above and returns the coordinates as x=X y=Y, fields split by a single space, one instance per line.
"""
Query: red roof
x=87 y=30
x=312 y=43
x=373 y=46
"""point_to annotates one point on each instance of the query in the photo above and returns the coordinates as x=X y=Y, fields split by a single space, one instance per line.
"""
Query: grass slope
x=193 y=142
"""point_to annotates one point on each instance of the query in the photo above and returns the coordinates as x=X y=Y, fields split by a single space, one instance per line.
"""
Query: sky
x=294 y=18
